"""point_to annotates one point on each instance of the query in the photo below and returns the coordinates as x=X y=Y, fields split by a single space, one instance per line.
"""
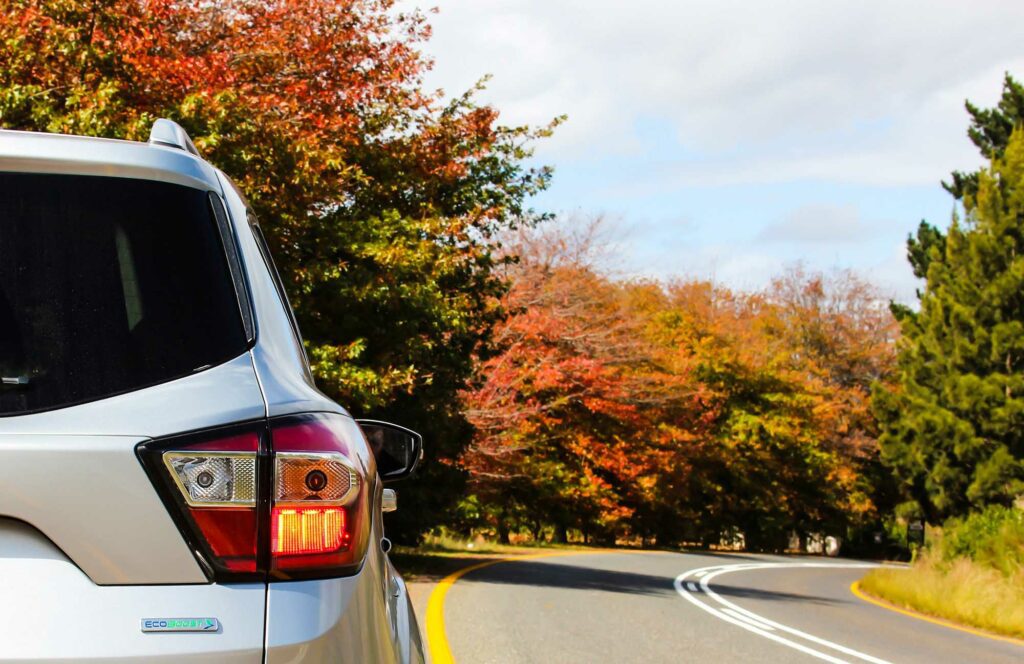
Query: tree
x=676 y=413
x=786 y=376
x=381 y=200
x=990 y=131
x=952 y=429
x=565 y=435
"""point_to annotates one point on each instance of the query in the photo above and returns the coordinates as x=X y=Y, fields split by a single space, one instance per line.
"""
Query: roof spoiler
x=170 y=134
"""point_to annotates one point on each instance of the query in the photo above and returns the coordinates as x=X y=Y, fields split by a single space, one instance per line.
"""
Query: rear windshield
x=107 y=285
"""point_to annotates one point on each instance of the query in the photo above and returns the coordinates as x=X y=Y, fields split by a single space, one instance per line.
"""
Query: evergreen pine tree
x=953 y=431
x=990 y=131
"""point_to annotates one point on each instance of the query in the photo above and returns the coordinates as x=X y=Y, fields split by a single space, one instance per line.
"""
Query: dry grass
x=961 y=590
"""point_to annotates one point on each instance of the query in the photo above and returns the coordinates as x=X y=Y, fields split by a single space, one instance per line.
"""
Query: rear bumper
x=51 y=612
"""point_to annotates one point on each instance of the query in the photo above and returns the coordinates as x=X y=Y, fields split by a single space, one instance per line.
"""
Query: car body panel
x=90 y=496
x=51 y=612
x=30 y=152
x=280 y=362
x=331 y=620
x=229 y=392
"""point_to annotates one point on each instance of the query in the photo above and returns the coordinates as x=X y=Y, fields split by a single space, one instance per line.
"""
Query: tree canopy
x=677 y=413
x=990 y=130
x=952 y=429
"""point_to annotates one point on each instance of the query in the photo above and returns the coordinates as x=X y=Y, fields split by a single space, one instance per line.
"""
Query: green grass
x=963 y=591
x=972 y=574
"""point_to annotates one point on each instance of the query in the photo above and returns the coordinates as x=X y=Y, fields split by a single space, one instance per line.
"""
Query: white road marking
x=692 y=586
x=760 y=625
x=739 y=616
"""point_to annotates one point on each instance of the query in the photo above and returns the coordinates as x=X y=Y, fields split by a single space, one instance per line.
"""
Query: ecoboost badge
x=180 y=625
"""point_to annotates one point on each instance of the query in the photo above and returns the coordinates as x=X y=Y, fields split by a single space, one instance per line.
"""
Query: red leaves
x=610 y=397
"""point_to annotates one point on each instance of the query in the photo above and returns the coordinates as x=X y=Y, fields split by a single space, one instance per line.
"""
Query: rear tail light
x=288 y=500
x=319 y=514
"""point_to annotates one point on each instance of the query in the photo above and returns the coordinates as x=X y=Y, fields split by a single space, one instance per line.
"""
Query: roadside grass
x=962 y=591
x=440 y=555
x=444 y=543
x=972 y=574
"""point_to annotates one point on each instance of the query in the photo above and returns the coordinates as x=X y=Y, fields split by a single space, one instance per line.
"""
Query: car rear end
x=172 y=487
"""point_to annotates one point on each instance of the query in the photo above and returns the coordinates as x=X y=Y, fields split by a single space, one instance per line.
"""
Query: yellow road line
x=437 y=640
x=856 y=590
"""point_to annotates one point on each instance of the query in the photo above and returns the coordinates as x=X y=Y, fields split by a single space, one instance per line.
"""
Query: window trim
x=239 y=277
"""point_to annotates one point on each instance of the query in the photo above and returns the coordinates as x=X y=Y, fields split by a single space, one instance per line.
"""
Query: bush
x=993 y=537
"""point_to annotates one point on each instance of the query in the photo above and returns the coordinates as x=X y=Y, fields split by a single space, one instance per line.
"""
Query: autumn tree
x=952 y=431
x=676 y=413
x=564 y=433
x=380 y=198
x=784 y=376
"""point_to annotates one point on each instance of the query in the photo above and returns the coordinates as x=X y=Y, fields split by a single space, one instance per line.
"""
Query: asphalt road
x=665 y=607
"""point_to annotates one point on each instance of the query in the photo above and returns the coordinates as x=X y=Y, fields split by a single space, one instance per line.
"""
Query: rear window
x=108 y=285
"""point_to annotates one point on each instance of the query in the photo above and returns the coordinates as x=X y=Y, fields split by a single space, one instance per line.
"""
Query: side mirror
x=398 y=450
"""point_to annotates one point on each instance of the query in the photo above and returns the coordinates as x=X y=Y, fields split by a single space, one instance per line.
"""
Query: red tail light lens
x=288 y=499
x=305 y=530
x=319 y=519
x=210 y=483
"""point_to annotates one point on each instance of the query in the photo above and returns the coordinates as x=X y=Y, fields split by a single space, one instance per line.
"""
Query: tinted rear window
x=107 y=285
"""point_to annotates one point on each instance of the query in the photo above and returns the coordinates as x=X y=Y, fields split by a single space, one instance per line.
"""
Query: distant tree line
x=676 y=413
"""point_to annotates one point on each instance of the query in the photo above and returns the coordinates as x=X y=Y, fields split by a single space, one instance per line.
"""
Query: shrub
x=993 y=537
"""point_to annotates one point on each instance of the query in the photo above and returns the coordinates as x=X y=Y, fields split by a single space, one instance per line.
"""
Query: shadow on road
x=528 y=573
x=756 y=593
x=577 y=577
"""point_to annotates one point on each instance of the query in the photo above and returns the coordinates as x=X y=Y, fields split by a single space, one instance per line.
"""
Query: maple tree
x=563 y=414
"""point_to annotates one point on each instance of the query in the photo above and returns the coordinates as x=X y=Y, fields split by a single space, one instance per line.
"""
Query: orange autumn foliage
x=676 y=412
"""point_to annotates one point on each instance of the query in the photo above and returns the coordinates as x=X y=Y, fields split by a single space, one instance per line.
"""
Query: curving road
x=667 y=607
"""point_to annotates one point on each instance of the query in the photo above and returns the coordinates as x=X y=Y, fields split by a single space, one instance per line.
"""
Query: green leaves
x=954 y=431
x=990 y=131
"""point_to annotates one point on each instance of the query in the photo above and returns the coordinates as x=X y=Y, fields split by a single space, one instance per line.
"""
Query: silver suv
x=172 y=485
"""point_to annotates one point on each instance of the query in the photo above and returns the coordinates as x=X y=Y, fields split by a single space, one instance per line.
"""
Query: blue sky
x=731 y=139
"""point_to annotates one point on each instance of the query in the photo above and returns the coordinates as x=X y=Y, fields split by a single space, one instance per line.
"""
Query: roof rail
x=169 y=133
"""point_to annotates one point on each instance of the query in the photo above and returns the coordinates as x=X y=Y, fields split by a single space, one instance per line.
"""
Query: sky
x=729 y=140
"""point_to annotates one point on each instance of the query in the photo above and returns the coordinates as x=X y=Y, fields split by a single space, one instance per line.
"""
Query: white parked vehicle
x=173 y=487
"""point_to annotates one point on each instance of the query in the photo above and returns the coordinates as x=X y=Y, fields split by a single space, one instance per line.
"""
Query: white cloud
x=701 y=123
x=820 y=224
x=893 y=272
x=759 y=91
